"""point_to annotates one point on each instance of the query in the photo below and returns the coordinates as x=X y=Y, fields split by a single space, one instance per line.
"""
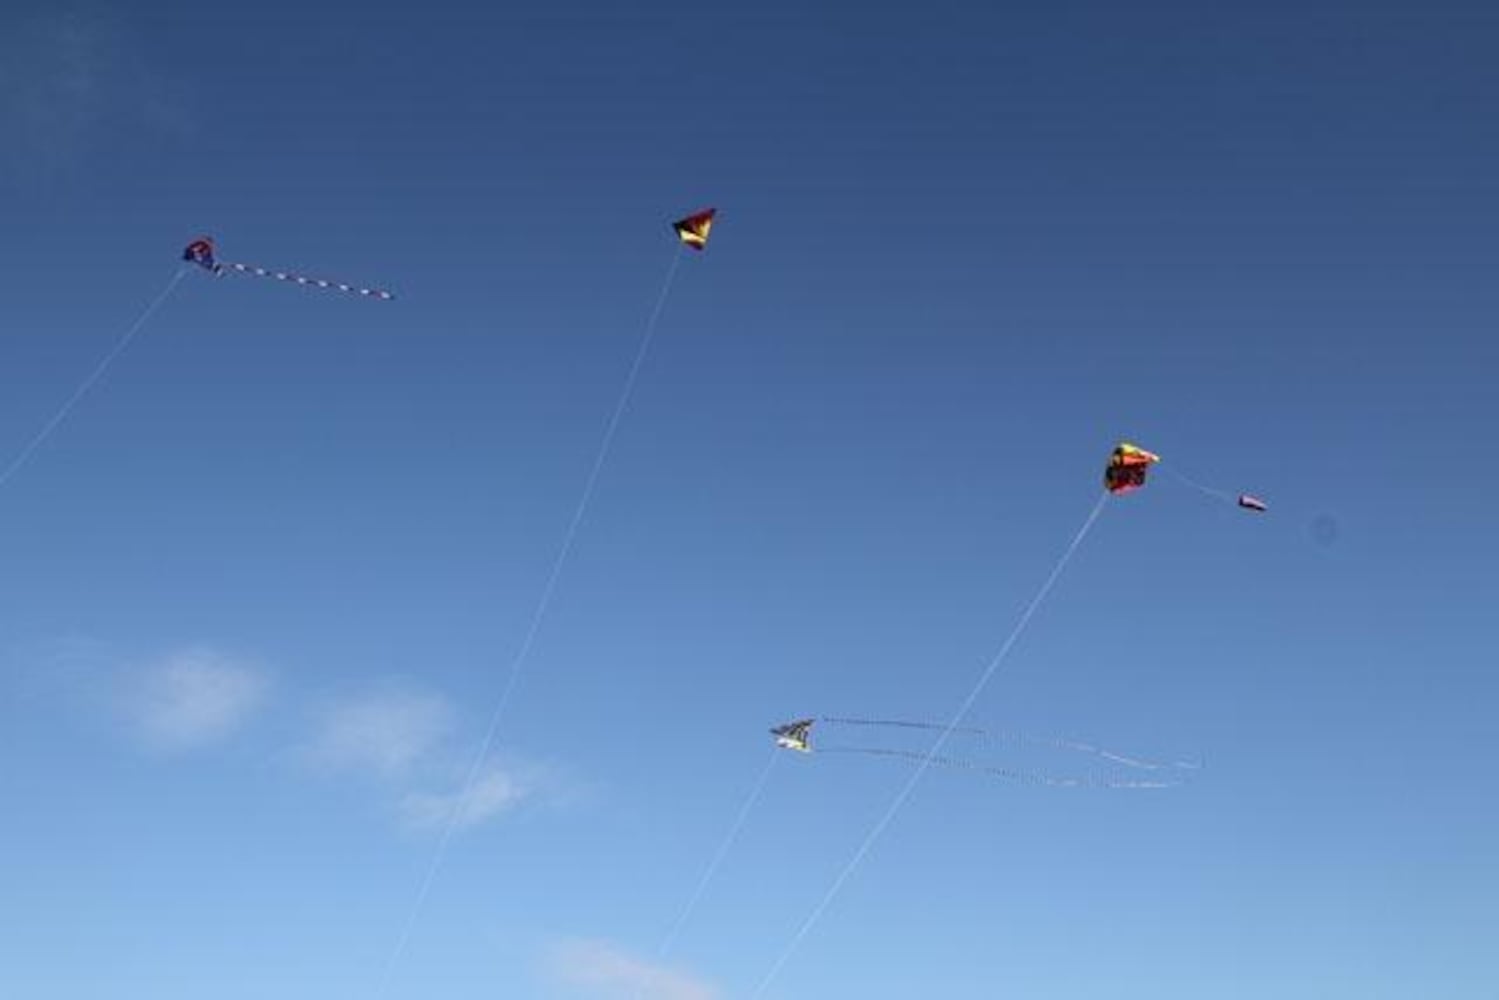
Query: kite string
x=93 y=379
x=846 y=720
x=1001 y=736
x=518 y=662
x=670 y=940
x=1202 y=488
x=1012 y=774
x=905 y=792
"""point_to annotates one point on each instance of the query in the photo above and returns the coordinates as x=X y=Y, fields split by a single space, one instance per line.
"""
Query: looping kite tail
x=1009 y=774
x=1002 y=736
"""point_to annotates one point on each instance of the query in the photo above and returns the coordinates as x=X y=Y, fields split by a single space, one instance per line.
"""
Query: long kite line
x=202 y=253
x=931 y=756
x=93 y=379
x=670 y=940
x=1003 y=736
x=517 y=664
x=1007 y=773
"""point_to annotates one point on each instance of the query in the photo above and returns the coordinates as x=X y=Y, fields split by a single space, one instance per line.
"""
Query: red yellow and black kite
x=693 y=230
x=1127 y=467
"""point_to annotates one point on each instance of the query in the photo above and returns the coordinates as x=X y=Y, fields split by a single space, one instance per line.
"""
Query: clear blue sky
x=260 y=591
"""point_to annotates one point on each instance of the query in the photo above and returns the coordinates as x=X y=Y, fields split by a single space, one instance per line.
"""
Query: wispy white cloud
x=493 y=793
x=388 y=734
x=605 y=970
x=191 y=697
x=410 y=744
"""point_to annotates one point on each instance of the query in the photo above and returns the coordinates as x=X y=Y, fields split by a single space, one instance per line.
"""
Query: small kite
x=1252 y=503
x=693 y=230
x=1127 y=468
x=201 y=252
x=794 y=735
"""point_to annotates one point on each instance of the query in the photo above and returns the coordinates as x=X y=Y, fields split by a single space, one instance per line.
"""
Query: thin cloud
x=386 y=735
x=191 y=698
x=493 y=793
x=407 y=746
x=605 y=970
x=410 y=745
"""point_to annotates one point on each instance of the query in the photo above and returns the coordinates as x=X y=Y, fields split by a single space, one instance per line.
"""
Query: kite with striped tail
x=201 y=252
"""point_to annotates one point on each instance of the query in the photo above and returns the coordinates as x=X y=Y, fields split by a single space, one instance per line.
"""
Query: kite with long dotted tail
x=202 y=253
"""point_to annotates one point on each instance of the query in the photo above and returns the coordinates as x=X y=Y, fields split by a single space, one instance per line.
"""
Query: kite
x=202 y=253
x=693 y=230
x=794 y=735
x=1130 y=464
x=1127 y=468
x=798 y=736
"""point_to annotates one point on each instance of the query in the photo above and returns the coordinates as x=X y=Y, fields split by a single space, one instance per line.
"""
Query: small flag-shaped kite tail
x=298 y=279
x=693 y=230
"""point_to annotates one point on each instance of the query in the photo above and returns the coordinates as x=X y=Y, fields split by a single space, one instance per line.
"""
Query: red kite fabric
x=693 y=230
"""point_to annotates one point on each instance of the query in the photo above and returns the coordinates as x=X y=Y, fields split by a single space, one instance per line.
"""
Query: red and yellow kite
x=693 y=230
x=1127 y=467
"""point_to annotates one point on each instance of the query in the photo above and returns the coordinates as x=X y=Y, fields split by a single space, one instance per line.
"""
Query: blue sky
x=262 y=588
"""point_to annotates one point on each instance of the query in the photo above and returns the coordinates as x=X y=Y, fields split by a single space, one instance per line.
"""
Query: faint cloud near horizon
x=601 y=969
